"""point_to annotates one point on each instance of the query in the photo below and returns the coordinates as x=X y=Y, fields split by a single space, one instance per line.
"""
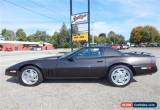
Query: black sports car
x=87 y=62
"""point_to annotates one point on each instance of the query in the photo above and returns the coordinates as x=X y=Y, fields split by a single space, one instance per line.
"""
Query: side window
x=82 y=53
x=88 y=53
x=95 y=52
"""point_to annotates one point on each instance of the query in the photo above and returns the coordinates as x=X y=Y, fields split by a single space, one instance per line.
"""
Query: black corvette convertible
x=87 y=62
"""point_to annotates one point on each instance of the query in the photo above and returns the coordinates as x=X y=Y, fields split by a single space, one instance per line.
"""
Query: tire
x=120 y=76
x=30 y=76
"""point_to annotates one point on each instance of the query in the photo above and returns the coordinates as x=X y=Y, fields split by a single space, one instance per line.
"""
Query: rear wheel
x=30 y=76
x=120 y=75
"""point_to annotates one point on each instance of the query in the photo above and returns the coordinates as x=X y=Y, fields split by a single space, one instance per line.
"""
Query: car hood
x=38 y=61
x=48 y=58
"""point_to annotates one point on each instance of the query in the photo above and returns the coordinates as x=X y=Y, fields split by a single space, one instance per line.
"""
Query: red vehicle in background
x=114 y=46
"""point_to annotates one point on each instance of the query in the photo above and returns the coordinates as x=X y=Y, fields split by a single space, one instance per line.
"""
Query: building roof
x=21 y=42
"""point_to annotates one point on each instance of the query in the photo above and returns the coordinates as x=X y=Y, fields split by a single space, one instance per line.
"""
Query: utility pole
x=89 y=22
x=71 y=24
x=75 y=21
x=92 y=32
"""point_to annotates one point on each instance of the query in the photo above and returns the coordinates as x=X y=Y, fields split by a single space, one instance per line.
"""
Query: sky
x=119 y=16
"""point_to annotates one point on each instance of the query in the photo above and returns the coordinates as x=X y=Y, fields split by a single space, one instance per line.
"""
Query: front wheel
x=30 y=76
x=120 y=76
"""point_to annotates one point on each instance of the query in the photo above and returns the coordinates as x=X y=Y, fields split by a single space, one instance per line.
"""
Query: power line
x=41 y=5
x=44 y=7
x=28 y=9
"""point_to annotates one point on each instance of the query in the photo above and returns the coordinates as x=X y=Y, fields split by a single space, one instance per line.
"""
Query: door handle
x=99 y=61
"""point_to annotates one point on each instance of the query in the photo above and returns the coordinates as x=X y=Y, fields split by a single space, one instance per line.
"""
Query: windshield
x=69 y=53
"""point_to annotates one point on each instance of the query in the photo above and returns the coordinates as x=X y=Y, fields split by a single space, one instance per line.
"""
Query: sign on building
x=79 y=18
x=81 y=37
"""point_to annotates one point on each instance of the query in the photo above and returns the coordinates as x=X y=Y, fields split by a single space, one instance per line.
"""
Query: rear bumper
x=145 y=70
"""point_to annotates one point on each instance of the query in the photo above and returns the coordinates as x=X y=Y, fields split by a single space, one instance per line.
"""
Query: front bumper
x=11 y=72
x=145 y=69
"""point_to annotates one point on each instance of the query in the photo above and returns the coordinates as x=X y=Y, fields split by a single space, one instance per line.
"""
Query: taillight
x=149 y=66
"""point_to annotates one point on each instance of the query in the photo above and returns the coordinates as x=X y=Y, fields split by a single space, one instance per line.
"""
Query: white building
x=2 y=38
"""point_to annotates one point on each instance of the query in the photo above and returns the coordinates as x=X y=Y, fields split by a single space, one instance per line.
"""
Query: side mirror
x=70 y=59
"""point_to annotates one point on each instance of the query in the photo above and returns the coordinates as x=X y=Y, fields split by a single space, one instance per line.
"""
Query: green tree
x=102 y=35
x=96 y=39
x=149 y=34
x=157 y=39
x=108 y=40
x=102 y=39
x=21 y=35
x=8 y=34
x=144 y=34
x=59 y=39
x=136 y=35
x=112 y=36
x=39 y=36
x=120 y=39
x=64 y=36
x=31 y=38
x=116 y=38
x=42 y=36
x=55 y=40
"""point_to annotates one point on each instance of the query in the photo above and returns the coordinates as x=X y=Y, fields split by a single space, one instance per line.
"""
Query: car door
x=87 y=62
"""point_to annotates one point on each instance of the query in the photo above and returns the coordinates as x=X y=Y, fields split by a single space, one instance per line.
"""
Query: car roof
x=112 y=52
x=98 y=46
x=108 y=51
